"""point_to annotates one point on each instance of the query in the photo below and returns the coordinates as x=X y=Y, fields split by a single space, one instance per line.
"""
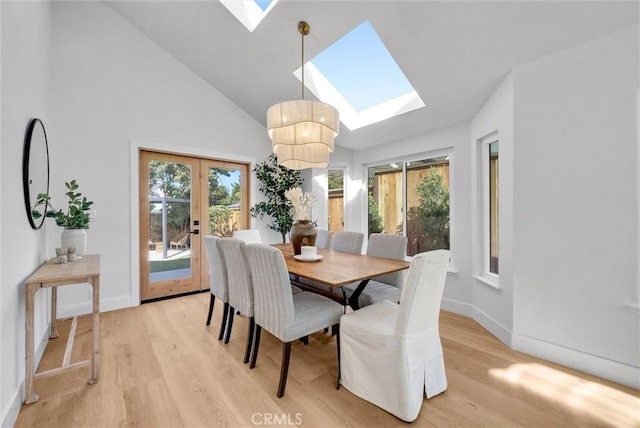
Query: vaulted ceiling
x=454 y=53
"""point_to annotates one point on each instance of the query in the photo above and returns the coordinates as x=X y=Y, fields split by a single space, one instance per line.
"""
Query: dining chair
x=375 y=339
x=285 y=315
x=323 y=238
x=240 y=287
x=385 y=287
x=249 y=236
x=217 y=280
x=349 y=242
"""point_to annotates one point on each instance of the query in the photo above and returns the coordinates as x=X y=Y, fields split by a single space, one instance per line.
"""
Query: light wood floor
x=160 y=366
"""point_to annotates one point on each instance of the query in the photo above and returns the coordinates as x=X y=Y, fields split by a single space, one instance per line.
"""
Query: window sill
x=489 y=282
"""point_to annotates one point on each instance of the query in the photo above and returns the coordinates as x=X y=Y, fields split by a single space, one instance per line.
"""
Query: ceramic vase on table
x=302 y=233
x=75 y=238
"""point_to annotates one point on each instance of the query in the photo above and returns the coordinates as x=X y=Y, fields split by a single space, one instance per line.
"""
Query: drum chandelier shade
x=302 y=131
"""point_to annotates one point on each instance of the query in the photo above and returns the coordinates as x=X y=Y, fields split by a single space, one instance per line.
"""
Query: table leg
x=95 y=356
x=353 y=299
x=29 y=396
x=54 y=313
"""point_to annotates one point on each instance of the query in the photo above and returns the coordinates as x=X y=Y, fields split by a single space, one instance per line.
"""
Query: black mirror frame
x=25 y=171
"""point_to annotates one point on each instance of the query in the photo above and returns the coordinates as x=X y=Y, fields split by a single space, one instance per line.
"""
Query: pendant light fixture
x=302 y=131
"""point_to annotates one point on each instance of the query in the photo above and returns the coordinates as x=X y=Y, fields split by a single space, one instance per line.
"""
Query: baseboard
x=106 y=305
x=10 y=414
x=503 y=334
x=456 y=306
x=612 y=370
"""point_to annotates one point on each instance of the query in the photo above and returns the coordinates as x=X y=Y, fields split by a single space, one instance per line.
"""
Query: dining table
x=335 y=269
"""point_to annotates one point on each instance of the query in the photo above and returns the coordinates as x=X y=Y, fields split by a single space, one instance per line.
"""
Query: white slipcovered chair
x=217 y=280
x=391 y=353
x=285 y=315
x=249 y=236
x=385 y=287
x=240 y=287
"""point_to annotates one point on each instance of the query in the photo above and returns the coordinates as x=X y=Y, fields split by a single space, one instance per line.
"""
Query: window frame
x=446 y=151
x=486 y=276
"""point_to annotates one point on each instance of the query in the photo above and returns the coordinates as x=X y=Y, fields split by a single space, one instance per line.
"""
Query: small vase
x=302 y=233
x=75 y=238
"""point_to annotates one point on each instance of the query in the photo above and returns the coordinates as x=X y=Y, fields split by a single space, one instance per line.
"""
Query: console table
x=51 y=275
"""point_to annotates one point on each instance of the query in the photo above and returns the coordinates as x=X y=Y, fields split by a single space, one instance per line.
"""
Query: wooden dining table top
x=338 y=268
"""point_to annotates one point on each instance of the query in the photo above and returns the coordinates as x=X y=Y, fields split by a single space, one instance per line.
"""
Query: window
x=412 y=198
x=335 y=218
x=493 y=208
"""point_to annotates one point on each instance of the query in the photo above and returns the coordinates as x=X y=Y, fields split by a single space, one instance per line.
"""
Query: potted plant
x=274 y=180
x=75 y=220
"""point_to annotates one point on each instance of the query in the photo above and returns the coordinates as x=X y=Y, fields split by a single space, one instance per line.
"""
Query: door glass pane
x=427 y=205
x=336 y=200
x=169 y=220
x=225 y=201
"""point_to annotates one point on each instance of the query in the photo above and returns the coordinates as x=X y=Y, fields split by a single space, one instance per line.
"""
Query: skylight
x=249 y=12
x=359 y=77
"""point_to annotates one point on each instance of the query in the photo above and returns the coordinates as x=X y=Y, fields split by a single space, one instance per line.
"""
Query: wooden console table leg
x=95 y=356
x=29 y=396
x=54 y=313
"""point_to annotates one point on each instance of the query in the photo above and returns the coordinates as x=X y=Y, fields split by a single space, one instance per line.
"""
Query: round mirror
x=35 y=172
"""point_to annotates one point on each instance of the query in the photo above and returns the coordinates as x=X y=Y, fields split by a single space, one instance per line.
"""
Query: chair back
x=323 y=238
x=249 y=236
x=273 y=299
x=349 y=242
x=217 y=268
x=238 y=275
x=391 y=247
x=422 y=293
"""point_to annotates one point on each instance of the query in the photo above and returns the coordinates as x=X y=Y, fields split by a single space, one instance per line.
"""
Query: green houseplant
x=274 y=181
x=74 y=220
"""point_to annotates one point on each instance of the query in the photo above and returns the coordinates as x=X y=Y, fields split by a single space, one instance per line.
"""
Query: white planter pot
x=75 y=238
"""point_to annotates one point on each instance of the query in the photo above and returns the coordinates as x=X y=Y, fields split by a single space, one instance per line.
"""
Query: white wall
x=493 y=302
x=25 y=94
x=575 y=225
x=112 y=85
x=457 y=295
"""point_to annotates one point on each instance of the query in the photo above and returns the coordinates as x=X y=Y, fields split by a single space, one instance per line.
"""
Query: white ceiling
x=454 y=53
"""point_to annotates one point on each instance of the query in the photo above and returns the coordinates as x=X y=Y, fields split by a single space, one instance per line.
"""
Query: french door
x=183 y=198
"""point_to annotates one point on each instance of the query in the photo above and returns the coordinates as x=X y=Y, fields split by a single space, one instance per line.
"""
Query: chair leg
x=304 y=339
x=225 y=312
x=256 y=345
x=211 y=302
x=227 y=334
x=284 y=369
x=337 y=326
x=247 y=351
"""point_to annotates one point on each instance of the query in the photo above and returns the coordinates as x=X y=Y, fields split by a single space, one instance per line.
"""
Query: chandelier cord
x=302 y=56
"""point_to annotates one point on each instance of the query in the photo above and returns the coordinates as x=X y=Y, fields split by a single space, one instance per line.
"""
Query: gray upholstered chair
x=249 y=236
x=391 y=355
x=217 y=280
x=323 y=238
x=386 y=287
x=240 y=286
x=349 y=242
x=285 y=315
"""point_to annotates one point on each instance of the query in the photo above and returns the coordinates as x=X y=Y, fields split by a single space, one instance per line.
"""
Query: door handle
x=195 y=232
